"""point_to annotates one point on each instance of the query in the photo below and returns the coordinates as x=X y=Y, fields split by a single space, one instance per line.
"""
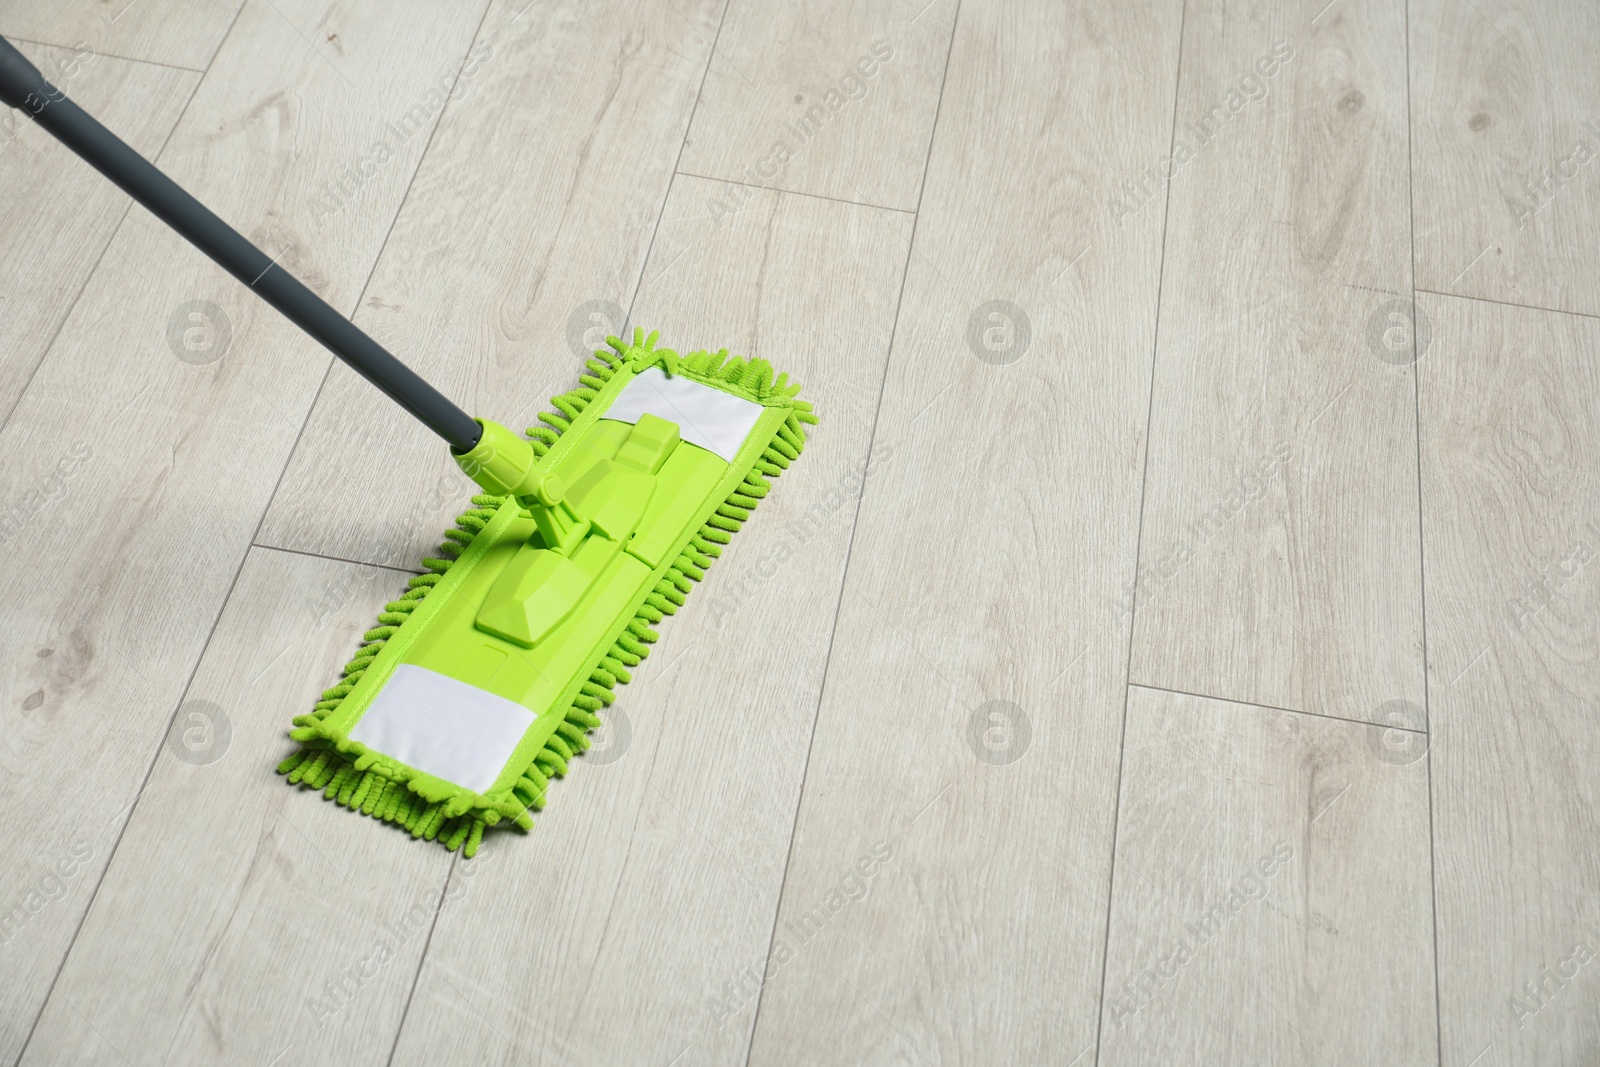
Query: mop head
x=483 y=681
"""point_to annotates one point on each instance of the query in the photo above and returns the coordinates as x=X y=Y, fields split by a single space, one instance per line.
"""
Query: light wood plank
x=243 y=897
x=1279 y=559
x=1511 y=509
x=654 y=879
x=539 y=197
x=167 y=465
x=993 y=558
x=58 y=214
x=1272 y=885
x=835 y=99
x=179 y=33
x=983 y=559
x=1505 y=139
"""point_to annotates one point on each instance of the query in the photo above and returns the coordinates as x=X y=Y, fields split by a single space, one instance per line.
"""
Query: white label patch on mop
x=716 y=421
x=443 y=727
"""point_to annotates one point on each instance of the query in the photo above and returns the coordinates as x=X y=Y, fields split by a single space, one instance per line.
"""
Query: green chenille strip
x=376 y=786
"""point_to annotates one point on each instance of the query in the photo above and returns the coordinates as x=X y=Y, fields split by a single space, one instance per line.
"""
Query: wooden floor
x=1180 y=643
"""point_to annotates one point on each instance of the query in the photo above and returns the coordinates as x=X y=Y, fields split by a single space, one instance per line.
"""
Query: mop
x=482 y=682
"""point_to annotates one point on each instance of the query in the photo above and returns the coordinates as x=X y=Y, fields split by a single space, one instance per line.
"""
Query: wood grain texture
x=1278 y=561
x=624 y=929
x=1505 y=142
x=1511 y=509
x=178 y=33
x=883 y=794
x=58 y=214
x=835 y=99
x=538 y=198
x=246 y=897
x=983 y=557
x=1272 y=885
x=152 y=472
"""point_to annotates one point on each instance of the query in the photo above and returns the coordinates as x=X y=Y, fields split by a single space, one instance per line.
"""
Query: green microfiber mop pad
x=496 y=664
x=483 y=680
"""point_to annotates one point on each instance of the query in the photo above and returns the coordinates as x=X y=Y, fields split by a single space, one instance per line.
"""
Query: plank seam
x=113 y=55
x=1274 y=707
x=111 y=857
x=1138 y=548
x=1507 y=303
x=332 y=559
x=1422 y=557
x=855 y=520
x=795 y=192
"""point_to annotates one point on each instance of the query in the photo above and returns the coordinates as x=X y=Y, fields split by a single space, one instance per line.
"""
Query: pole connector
x=502 y=462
